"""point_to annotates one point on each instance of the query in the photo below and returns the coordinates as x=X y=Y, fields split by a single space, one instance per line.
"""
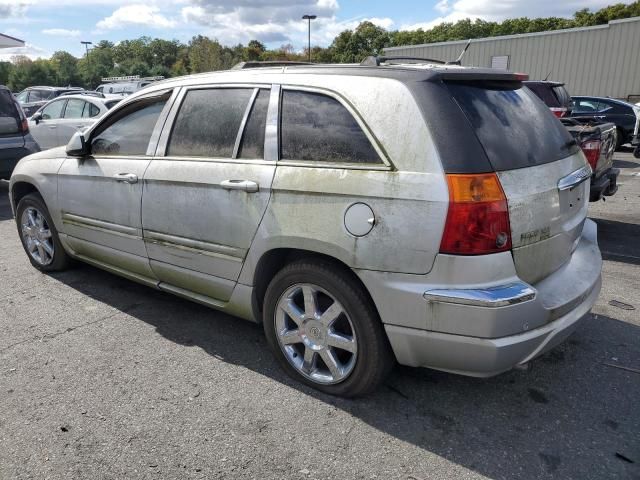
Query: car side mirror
x=37 y=117
x=78 y=146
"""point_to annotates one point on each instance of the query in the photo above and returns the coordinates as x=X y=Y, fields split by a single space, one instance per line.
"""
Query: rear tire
x=324 y=330
x=39 y=236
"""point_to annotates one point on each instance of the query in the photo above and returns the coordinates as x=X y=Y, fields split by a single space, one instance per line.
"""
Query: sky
x=50 y=25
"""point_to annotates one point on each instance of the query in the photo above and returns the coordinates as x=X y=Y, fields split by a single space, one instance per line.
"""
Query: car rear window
x=514 y=127
x=564 y=99
x=8 y=114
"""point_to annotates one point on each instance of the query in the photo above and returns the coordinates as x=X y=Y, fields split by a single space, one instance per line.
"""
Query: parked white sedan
x=56 y=122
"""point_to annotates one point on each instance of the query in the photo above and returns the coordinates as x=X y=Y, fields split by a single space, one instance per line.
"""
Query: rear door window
x=74 y=108
x=514 y=127
x=39 y=95
x=252 y=145
x=318 y=128
x=208 y=122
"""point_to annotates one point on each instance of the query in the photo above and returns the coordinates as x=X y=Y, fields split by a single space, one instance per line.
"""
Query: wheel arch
x=19 y=190
x=274 y=260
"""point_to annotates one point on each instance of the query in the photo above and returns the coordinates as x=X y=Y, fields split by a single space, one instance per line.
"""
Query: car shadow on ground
x=569 y=415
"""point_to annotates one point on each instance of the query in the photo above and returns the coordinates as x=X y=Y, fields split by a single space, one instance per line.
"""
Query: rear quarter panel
x=409 y=200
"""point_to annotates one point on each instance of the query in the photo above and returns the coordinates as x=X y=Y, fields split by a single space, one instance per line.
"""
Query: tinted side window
x=208 y=122
x=74 y=108
x=22 y=97
x=252 y=145
x=131 y=131
x=53 y=110
x=90 y=110
x=39 y=95
x=317 y=127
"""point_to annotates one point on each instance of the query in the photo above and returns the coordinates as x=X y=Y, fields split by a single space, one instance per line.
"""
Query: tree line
x=147 y=56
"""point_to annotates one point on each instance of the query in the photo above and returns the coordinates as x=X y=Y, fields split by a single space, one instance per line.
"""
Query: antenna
x=547 y=77
x=458 y=61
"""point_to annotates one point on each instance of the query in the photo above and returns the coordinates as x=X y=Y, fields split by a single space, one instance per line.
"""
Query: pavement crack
x=57 y=334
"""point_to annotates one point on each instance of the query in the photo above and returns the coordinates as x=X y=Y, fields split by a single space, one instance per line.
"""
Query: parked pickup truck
x=598 y=142
x=597 y=139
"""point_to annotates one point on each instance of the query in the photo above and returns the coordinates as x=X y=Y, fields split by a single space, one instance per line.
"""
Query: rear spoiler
x=470 y=75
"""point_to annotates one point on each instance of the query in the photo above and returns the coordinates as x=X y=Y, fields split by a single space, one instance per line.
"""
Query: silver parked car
x=55 y=123
x=429 y=215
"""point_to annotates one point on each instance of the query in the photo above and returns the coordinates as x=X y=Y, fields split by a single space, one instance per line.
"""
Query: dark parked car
x=625 y=115
x=32 y=98
x=15 y=140
x=597 y=139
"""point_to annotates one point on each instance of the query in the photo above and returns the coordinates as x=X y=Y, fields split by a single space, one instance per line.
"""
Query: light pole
x=86 y=44
x=309 y=18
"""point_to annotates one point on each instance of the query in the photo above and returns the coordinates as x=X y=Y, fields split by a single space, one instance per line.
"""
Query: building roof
x=518 y=35
x=8 y=42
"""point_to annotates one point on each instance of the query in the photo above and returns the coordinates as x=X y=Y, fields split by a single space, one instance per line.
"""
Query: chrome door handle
x=244 y=185
x=126 y=177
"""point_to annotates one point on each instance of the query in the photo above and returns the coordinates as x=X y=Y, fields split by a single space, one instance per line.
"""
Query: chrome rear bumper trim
x=492 y=297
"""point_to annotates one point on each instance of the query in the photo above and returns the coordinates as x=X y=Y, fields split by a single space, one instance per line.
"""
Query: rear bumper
x=485 y=330
x=605 y=185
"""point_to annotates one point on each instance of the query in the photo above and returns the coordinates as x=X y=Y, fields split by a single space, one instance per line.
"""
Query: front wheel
x=39 y=235
x=324 y=330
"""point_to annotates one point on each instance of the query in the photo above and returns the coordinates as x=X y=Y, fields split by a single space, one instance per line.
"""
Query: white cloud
x=13 y=8
x=29 y=50
x=136 y=14
x=498 y=10
x=61 y=32
x=270 y=21
x=443 y=6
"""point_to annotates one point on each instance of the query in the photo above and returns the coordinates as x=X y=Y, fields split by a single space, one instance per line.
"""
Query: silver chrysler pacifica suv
x=426 y=214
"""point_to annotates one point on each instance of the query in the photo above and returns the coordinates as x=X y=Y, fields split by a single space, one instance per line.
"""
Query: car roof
x=607 y=99
x=45 y=87
x=403 y=72
x=81 y=97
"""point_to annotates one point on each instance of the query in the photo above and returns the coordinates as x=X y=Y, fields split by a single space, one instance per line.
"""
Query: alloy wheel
x=37 y=236
x=316 y=334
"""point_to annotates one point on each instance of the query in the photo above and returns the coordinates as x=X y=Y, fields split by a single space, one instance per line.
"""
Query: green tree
x=5 y=71
x=27 y=72
x=65 y=67
x=353 y=46
x=254 y=50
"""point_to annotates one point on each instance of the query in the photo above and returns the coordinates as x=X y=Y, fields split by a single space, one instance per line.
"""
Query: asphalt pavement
x=101 y=378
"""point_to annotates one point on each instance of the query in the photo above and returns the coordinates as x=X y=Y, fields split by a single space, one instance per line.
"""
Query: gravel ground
x=102 y=378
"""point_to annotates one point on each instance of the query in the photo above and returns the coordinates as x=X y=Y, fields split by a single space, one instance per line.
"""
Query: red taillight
x=478 y=216
x=558 y=112
x=24 y=126
x=591 y=150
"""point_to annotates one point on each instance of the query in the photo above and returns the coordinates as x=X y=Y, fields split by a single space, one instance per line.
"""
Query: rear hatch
x=539 y=165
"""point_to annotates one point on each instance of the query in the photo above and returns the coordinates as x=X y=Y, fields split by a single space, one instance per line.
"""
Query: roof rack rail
x=375 y=61
x=130 y=78
x=90 y=93
x=268 y=63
